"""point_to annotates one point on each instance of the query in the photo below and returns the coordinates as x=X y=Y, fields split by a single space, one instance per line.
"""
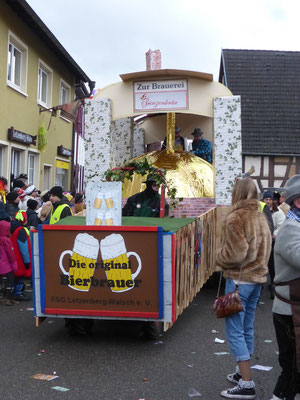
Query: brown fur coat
x=246 y=243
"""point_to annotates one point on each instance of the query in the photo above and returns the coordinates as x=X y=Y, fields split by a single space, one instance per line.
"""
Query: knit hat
x=32 y=204
x=57 y=191
x=78 y=198
x=12 y=196
x=269 y=194
x=292 y=188
x=30 y=189
x=18 y=183
x=45 y=195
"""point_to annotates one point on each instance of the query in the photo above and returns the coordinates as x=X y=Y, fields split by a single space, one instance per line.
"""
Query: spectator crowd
x=22 y=208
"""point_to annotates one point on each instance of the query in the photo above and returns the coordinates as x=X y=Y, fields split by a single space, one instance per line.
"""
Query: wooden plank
x=190 y=278
x=39 y=320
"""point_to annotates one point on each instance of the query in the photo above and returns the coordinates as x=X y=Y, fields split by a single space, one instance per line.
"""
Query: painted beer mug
x=108 y=200
x=98 y=200
x=115 y=260
x=82 y=262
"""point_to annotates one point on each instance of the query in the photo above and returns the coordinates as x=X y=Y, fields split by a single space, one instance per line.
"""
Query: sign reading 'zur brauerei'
x=97 y=272
x=161 y=95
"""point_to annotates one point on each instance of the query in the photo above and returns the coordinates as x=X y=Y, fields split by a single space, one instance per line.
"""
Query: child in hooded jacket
x=22 y=248
x=8 y=262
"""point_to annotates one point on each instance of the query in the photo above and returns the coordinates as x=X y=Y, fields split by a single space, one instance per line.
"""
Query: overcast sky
x=109 y=38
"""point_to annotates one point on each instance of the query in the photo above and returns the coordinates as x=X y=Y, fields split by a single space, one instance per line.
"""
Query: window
x=17 y=64
x=65 y=93
x=30 y=172
x=14 y=65
x=44 y=85
x=47 y=177
x=62 y=178
x=43 y=81
x=15 y=163
x=62 y=173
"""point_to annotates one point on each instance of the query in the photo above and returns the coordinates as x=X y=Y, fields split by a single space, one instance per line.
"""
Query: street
x=113 y=364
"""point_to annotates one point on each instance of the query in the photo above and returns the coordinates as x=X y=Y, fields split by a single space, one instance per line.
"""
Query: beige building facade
x=36 y=73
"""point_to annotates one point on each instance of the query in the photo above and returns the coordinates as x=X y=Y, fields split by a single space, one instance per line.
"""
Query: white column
x=121 y=144
x=98 y=127
x=227 y=146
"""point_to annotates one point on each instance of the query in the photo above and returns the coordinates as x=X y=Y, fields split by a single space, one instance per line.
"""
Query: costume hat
x=197 y=131
x=292 y=188
x=268 y=194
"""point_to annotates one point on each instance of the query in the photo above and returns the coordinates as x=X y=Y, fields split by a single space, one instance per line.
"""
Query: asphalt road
x=112 y=364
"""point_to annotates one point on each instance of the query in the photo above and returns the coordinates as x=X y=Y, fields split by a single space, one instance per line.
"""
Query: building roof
x=26 y=13
x=269 y=85
x=157 y=73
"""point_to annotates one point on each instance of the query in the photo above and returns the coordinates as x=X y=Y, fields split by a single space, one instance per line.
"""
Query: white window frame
x=44 y=68
x=18 y=151
x=30 y=157
x=67 y=88
x=36 y=176
x=50 y=166
x=4 y=167
x=17 y=44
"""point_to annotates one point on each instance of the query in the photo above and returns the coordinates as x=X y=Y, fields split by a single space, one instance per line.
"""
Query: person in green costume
x=146 y=203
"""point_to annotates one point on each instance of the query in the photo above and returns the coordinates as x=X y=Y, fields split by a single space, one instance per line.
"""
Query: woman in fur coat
x=244 y=256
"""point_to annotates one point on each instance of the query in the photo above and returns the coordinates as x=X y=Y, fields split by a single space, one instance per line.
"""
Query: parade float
x=105 y=266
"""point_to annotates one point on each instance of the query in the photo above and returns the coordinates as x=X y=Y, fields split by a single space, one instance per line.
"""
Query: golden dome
x=190 y=175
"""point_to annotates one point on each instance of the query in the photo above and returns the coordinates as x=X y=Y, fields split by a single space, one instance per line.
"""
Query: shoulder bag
x=230 y=303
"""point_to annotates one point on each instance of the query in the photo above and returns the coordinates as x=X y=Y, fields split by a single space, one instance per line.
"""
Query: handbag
x=230 y=303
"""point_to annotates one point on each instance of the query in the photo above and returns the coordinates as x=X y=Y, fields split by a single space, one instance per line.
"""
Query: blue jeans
x=240 y=326
x=18 y=286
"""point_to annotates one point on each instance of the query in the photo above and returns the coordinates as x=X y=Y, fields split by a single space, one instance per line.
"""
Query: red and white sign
x=161 y=95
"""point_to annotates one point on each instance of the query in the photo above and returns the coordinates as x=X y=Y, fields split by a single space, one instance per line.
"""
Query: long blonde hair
x=244 y=189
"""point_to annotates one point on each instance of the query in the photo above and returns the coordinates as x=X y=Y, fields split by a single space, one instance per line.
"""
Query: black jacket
x=33 y=219
x=3 y=213
x=144 y=204
x=269 y=217
x=11 y=209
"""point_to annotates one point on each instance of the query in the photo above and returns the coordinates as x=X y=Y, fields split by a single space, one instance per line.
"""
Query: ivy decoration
x=42 y=137
x=118 y=174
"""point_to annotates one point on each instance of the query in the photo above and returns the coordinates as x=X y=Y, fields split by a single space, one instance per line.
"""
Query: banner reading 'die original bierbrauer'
x=93 y=271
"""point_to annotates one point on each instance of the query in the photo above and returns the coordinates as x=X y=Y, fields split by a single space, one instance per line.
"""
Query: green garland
x=42 y=137
x=143 y=168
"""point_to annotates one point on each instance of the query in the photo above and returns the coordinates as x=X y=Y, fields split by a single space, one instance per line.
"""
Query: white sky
x=109 y=38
